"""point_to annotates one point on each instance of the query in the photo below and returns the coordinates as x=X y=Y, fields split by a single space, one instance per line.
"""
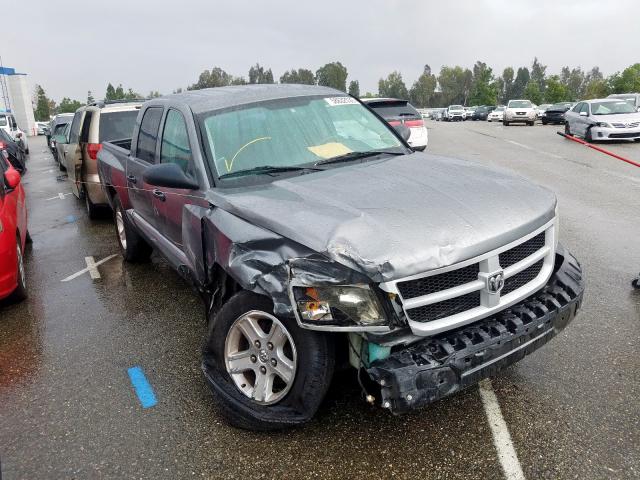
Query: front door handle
x=159 y=195
x=132 y=179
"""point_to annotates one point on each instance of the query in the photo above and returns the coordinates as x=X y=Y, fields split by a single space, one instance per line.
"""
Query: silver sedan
x=603 y=119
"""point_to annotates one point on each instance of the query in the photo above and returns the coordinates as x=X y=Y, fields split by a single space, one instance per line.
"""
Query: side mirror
x=403 y=131
x=12 y=178
x=168 y=175
x=584 y=114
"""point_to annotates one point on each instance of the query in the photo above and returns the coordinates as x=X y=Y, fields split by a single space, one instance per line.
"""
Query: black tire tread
x=138 y=250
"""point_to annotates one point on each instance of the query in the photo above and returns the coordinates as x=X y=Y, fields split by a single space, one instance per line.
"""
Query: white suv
x=519 y=111
x=9 y=125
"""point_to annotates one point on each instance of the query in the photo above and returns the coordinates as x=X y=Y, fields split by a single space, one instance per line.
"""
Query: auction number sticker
x=336 y=101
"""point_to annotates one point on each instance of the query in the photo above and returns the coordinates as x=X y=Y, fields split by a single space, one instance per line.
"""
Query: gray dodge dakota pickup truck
x=317 y=239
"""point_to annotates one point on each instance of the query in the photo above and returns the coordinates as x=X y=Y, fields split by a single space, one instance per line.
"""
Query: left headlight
x=603 y=125
x=339 y=306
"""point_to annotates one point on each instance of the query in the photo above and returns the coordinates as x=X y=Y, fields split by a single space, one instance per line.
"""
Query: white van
x=9 y=125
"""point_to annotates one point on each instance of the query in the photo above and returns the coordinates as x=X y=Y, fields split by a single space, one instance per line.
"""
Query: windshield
x=499 y=109
x=519 y=104
x=456 y=107
x=611 y=108
x=560 y=106
x=291 y=132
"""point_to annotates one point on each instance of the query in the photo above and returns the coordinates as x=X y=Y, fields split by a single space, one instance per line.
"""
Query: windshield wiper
x=267 y=169
x=347 y=157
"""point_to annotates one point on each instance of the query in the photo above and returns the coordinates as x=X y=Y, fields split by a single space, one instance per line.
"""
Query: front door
x=142 y=157
x=175 y=147
x=73 y=154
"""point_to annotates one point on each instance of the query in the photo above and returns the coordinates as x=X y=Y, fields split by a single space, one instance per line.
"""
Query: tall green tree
x=538 y=74
x=483 y=91
x=574 y=81
x=90 y=98
x=520 y=83
x=42 y=112
x=216 y=77
x=393 y=87
x=626 y=82
x=68 y=106
x=421 y=93
x=506 y=93
x=257 y=74
x=111 y=92
x=333 y=75
x=455 y=83
x=354 y=88
x=532 y=92
x=301 y=76
x=556 y=91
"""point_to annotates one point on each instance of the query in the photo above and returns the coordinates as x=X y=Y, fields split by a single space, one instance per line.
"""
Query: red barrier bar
x=601 y=150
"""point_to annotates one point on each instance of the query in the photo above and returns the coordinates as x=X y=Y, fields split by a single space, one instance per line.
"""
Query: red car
x=13 y=232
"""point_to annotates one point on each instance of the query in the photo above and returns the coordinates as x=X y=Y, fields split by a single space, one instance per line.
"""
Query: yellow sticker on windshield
x=330 y=150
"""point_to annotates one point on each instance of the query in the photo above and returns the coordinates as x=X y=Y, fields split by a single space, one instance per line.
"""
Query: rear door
x=175 y=147
x=143 y=155
x=73 y=153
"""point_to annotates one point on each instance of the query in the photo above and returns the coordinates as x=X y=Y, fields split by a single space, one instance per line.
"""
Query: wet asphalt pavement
x=68 y=410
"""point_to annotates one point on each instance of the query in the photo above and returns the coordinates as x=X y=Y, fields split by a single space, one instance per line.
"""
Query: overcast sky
x=72 y=46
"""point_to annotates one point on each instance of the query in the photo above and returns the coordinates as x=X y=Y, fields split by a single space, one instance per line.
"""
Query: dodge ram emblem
x=495 y=282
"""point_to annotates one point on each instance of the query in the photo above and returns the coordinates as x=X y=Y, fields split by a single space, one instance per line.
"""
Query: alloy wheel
x=260 y=357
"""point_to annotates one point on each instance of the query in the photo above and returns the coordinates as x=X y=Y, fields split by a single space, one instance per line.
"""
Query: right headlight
x=339 y=306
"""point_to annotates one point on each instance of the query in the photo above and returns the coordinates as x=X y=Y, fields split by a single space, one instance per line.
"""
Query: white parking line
x=60 y=196
x=91 y=268
x=501 y=437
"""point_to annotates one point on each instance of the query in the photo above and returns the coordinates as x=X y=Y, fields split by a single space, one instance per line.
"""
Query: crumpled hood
x=396 y=217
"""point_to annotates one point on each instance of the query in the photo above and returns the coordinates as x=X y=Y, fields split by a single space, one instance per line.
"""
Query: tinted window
x=75 y=128
x=148 y=134
x=84 y=134
x=59 y=129
x=175 y=142
x=585 y=108
x=117 y=125
x=393 y=109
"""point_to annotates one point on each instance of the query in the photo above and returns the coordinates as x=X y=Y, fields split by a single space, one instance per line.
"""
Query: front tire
x=567 y=129
x=133 y=247
x=260 y=388
x=588 y=137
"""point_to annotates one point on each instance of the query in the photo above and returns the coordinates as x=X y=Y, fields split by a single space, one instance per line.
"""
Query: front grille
x=624 y=135
x=428 y=313
x=511 y=284
x=522 y=251
x=626 y=125
x=437 y=283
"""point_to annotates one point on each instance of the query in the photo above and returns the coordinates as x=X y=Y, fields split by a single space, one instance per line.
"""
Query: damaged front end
x=411 y=377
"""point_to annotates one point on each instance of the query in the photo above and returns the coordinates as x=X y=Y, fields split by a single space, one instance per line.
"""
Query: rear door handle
x=132 y=179
x=159 y=195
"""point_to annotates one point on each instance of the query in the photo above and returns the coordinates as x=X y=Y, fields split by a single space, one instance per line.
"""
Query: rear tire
x=20 y=293
x=544 y=122
x=310 y=354
x=133 y=247
x=93 y=211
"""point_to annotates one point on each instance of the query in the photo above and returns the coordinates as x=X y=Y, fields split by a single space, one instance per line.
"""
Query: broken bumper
x=442 y=365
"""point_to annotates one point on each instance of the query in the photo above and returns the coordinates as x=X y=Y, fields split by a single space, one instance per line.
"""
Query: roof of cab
x=210 y=99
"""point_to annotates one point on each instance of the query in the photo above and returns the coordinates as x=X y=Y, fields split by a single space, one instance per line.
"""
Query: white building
x=19 y=97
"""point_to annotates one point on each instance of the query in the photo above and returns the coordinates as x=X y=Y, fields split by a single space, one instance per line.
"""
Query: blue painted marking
x=71 y=219
x=142 y=387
